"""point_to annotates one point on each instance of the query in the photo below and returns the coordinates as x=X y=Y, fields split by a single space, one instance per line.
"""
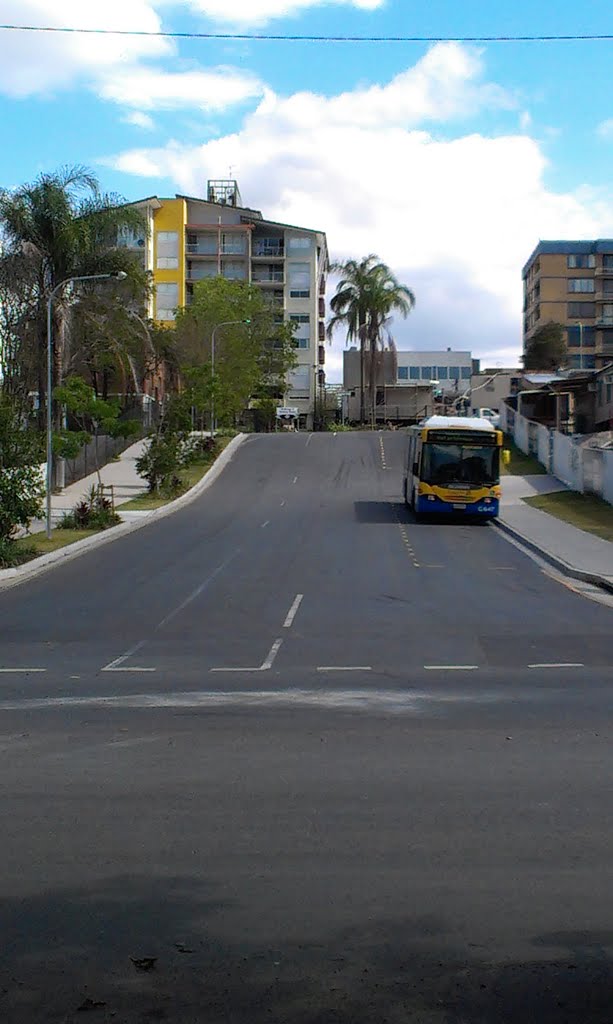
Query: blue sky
x=449 y=161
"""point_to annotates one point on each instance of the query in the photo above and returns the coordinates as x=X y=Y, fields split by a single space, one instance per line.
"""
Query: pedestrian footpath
x=581 y=555
x=122 y=475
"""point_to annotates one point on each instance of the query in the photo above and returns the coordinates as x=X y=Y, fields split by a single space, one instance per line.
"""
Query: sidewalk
x=122 y=475
x=575 y=552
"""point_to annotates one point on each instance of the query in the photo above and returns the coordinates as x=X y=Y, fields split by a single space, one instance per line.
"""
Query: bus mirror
x=506 y=456
x=416 y=469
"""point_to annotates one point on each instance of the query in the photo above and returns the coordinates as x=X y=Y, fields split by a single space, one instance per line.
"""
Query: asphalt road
x=322 y=762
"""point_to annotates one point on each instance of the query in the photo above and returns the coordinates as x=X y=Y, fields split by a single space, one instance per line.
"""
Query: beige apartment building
x=190 y=239
x=571 y=283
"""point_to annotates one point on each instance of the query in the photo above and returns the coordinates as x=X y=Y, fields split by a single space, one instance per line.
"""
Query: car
x=488 y=414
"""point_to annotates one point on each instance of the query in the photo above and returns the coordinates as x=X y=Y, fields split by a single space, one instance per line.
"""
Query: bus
x=453 y=467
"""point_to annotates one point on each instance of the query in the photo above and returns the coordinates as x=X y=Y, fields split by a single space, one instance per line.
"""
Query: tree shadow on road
x=67 y=952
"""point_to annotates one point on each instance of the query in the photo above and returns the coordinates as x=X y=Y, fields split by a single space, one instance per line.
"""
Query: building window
x=609 y=392
x=584 y=362
x=299 y=243
x=300 y=380
x=299 y=276
x=580 y=284
x=454 y=372
x=442 y=373
x=300 y=318
x=607 y=261
x=414 y=372
x=234 y=271
x=581 y=261
x=166 y=300
x=579 y=309
x=426 y=373
x=403 y=373
x=302 y=342
x=581 y=337
x=607 y=287
x=466 y=373
x=167 y=250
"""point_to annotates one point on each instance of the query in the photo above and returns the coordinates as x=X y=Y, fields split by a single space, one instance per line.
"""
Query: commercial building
x=191 y=239
x=571 y=283
x=490 y=387
x=406 y=382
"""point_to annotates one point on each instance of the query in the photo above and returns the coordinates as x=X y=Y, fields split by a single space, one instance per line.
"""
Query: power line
x=269 y=37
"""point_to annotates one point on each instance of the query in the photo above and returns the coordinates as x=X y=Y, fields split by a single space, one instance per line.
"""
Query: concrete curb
x=554 y=560
x=11 y=577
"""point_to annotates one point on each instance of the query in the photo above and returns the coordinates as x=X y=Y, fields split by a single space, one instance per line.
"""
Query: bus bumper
x=427 y=506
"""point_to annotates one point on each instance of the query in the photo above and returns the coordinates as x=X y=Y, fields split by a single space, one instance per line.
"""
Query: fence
x=584 y=467
x=95 y=454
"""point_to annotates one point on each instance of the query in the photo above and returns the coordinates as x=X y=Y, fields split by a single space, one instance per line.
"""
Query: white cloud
x=139 y=120
x=605 y=129
x=456 y=218
x=258 y=12
x=32 y=63
x=153 y=89
x=525 y=120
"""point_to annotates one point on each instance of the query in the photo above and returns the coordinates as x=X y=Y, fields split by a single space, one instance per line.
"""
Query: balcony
x=322 y=307
x=210 y=249
x=321 y=355
x=604 y=321
x=321 y=328
x=264 y=250
x=268 y=277
x=604 y=272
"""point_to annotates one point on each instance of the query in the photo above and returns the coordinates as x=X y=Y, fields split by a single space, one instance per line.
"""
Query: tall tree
x=366 y=296
x=252 y=359
x=546 y=349
x=64 y=226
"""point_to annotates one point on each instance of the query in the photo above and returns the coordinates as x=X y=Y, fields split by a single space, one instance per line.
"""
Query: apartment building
x=191 y=239
x=571 y=283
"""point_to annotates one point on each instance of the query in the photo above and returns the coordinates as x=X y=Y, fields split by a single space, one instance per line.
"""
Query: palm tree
x=65 y=227
x=366 y=296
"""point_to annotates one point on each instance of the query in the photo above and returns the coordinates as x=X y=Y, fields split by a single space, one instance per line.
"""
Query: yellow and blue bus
x=453 y=466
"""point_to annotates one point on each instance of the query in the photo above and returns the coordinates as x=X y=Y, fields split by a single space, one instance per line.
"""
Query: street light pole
x=119 y=276
x=224 y=323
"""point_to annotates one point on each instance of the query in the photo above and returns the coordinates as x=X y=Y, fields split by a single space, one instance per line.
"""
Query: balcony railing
x=604 y=321
x=211 y=249
x=267 y=250
x=273 y=277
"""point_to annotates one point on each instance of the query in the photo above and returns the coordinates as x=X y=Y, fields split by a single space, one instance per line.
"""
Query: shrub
x=94 y=512
x=12 y=555
x=161 y=459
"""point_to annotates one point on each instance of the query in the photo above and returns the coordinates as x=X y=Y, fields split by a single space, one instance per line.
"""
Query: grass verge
x=24 y=549
x=583 y=510
x=521 y=464
x=190 y=475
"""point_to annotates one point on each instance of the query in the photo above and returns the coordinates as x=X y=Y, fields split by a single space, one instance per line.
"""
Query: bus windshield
x=471 y=465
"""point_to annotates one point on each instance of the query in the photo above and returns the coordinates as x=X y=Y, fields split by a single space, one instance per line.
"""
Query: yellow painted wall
x=171 y=217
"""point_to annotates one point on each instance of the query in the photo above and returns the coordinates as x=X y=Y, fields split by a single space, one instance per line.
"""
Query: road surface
x=325 y=764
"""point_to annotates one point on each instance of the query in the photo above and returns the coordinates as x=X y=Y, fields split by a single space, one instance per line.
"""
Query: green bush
x=21 y=485
x=12 y=555
x=161 y=459
x=94 y=512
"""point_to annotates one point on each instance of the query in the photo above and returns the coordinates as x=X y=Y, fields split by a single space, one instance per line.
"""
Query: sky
x=448 y=160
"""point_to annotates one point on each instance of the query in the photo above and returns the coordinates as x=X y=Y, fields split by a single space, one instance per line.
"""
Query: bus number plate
x=459 y=506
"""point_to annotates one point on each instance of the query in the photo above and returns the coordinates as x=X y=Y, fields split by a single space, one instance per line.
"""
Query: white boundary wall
x=560 y=454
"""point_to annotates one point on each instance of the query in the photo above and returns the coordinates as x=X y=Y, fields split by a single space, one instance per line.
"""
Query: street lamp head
x=119 y=275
